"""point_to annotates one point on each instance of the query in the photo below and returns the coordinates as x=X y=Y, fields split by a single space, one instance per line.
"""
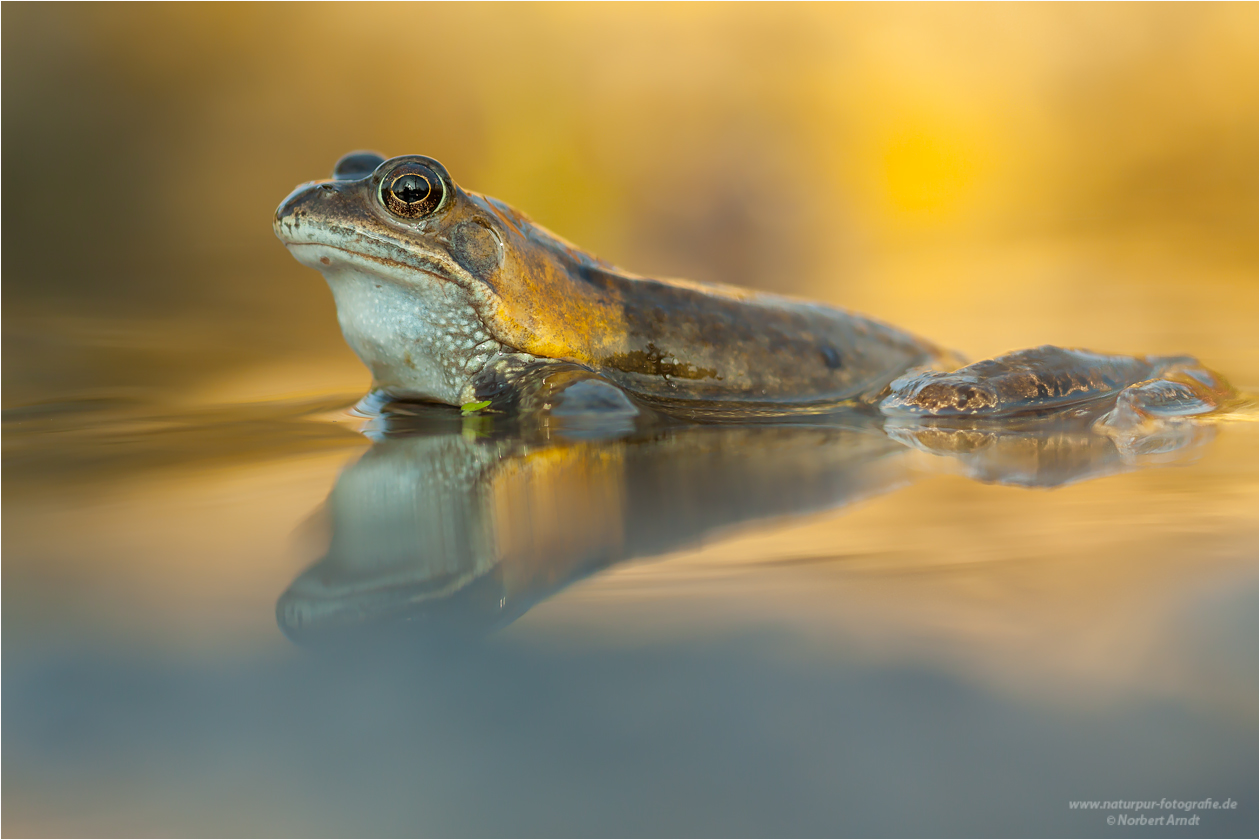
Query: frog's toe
x=935 y=394
x=1164 y=398
x=1148 y=404
x=1159 y=417
x=592 y=398
x=590 y=409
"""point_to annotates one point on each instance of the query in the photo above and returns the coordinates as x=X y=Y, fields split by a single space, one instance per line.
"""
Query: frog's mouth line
x=386 y=261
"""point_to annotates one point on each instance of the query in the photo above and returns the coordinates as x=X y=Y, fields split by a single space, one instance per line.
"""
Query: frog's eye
x=412 y=190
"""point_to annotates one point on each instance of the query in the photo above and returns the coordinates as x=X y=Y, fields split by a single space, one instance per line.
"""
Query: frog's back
x=685 y=341
x=679 y=341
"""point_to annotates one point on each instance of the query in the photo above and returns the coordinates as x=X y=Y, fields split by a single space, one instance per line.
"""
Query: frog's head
x=432 y=281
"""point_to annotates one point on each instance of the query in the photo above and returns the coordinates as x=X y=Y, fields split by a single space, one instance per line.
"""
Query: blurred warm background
x=993 y=176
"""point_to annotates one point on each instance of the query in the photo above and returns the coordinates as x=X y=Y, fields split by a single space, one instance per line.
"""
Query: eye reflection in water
x=450 y=527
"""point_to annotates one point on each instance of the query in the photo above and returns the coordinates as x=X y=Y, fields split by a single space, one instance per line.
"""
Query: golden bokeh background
x=992 y=176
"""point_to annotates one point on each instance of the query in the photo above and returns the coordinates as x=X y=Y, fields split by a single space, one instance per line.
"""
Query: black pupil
x=411 y=188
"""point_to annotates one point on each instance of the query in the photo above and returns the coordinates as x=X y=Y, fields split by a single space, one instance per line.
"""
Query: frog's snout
x=310 y=199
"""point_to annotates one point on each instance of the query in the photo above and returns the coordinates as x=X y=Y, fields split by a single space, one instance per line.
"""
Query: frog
x=451 y=296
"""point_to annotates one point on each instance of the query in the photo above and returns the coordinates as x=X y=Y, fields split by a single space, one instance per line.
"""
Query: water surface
x=274 y=617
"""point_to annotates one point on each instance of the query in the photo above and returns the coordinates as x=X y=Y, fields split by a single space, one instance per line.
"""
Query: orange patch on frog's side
x=548 y=313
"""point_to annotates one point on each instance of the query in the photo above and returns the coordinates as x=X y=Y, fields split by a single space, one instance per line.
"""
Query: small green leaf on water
x=473 y=407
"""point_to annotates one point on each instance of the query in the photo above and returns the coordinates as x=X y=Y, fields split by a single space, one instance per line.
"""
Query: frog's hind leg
x=1050 y=379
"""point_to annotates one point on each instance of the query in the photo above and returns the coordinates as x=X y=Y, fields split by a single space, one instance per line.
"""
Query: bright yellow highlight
x=927 y=171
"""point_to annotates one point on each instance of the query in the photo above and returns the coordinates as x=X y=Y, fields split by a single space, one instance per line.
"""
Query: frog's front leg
x=554 y=393
x=1051 y=378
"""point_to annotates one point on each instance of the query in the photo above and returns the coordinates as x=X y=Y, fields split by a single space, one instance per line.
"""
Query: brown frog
x=455 y=297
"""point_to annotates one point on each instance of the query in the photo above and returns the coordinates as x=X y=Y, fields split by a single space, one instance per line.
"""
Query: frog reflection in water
x=455 y=525
x=453 y=297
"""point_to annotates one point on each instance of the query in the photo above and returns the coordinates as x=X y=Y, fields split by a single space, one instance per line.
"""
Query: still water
x=275 y=617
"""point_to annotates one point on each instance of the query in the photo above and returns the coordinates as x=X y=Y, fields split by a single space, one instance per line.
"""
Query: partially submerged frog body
x=454 y=297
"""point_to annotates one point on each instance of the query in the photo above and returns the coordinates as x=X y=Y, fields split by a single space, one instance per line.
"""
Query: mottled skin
x=458 y=301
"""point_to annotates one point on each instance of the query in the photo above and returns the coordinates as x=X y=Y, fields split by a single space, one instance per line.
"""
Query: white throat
x=421 y=339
